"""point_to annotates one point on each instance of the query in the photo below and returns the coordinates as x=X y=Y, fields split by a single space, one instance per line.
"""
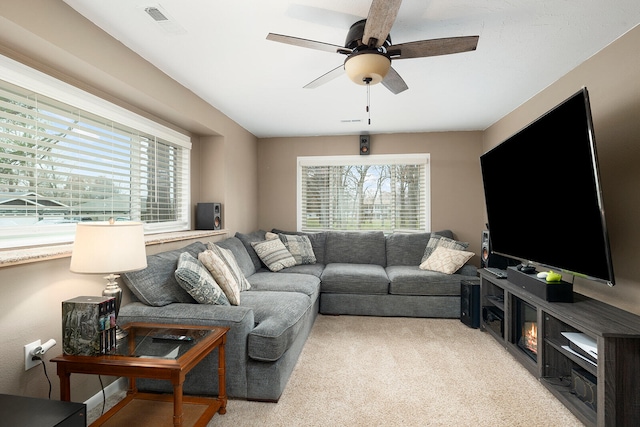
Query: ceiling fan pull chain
x=367 y=81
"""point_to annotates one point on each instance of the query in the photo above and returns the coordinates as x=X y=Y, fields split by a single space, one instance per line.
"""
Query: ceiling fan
x=369 y=50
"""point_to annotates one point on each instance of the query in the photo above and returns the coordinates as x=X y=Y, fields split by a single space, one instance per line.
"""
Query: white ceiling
x=218 y=49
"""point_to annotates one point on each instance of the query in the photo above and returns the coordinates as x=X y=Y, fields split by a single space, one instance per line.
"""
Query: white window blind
x=388 y=193
x=61 y=164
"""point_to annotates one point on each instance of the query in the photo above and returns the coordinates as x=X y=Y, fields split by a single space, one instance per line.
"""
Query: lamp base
x=113 y=290
x=121 y=334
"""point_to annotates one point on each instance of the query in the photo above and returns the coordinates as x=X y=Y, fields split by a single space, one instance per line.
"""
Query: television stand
x=600 y=391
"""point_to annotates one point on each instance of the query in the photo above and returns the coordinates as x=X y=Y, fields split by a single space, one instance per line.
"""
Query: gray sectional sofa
x=355 y=273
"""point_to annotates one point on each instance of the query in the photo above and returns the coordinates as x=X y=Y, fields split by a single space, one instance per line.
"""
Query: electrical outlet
x=28 y=348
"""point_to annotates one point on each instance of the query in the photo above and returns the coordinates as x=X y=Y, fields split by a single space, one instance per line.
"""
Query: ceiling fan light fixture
x=363 y=66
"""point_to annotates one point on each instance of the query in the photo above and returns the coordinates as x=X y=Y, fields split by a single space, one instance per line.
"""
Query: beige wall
x=249 y=176
x=51 y=37
x=456 y=185
x=613 y=82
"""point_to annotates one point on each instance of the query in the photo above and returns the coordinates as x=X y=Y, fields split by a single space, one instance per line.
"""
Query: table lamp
x=109 y=247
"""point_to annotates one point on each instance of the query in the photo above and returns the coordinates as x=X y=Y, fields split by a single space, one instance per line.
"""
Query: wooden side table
x=155 y=351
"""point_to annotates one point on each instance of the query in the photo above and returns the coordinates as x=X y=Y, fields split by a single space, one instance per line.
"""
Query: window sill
x=28 y=255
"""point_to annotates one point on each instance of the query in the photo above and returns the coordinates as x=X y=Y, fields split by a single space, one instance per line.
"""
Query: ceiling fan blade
x=382 y=15
x=325 y=78
x=433 y=47
x=394 y=82
x=311 y=44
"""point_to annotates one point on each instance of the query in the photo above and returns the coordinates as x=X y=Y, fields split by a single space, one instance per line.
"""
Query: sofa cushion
x=410 y=280
x=290 y=282
x=156 y=285
x=299 y=247
x=274 y=254
x=194 y=278
x=278 y=317
x=355 y=279
x=240 y=253
x=247 y=239
x=313 y=269
x=355 y=247
x=445 y=260
x=440 y=241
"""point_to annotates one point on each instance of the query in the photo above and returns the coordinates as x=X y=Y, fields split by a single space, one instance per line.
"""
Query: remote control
x=172 y=338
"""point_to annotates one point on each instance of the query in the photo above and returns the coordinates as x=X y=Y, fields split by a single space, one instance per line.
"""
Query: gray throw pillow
x=156 y=285
x=194 y=278
x=299 y=247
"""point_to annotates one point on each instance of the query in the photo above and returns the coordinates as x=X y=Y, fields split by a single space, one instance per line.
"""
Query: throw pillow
x=222 y=274
x=436 y=240
x=228 y=256
x=194 y=278
x=445 y=260
x=299 y=247
x=274 y=254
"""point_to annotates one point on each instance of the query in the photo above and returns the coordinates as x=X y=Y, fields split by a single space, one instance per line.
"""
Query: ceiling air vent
x=164 y=20
x=156 y=14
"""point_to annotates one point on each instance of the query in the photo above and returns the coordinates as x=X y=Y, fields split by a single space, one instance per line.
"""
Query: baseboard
x=96 y=400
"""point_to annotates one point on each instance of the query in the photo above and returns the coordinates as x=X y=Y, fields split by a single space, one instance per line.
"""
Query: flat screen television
x=543 y=195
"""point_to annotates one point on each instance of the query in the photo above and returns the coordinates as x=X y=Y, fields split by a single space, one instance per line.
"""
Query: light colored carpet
x=375 y=371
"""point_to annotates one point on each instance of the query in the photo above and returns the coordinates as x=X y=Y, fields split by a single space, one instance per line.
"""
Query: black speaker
x=585 y=387
x=470 y=303
x=209 y=216
x=364 y=144
x=489 y=259
x=485 y=248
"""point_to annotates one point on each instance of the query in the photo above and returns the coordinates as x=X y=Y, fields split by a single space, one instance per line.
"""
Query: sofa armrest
x=468 y=270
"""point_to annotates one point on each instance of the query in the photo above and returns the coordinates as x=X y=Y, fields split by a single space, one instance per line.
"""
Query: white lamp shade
x=367 y=65
x=105 y=248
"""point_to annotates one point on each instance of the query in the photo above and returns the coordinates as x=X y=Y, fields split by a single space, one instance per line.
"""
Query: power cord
x=104 y=395
x=44 y=367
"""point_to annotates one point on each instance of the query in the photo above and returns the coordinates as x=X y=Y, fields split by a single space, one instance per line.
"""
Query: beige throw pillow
x=445 y=260
x=230 y=259
x=222 y=274
x=437 y=241
x=274 y=254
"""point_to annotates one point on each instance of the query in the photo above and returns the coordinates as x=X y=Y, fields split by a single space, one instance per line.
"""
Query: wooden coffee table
x=155 y=351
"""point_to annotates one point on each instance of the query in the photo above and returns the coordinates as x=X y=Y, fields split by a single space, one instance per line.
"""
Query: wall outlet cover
x=28 y=348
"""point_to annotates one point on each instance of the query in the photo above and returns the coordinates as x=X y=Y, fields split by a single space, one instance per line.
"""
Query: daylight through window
x=60 y=164
x=388 y=193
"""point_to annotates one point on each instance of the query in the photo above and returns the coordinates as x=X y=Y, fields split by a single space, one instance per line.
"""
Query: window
x=386 y=192
x=81 y=158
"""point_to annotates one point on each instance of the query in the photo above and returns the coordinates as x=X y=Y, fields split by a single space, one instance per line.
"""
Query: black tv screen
x=543 y=195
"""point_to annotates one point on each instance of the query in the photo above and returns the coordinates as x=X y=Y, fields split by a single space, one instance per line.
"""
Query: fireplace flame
x=530 y=335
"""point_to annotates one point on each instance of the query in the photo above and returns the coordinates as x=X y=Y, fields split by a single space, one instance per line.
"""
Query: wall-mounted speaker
x=365 y=146
x=209 y=216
